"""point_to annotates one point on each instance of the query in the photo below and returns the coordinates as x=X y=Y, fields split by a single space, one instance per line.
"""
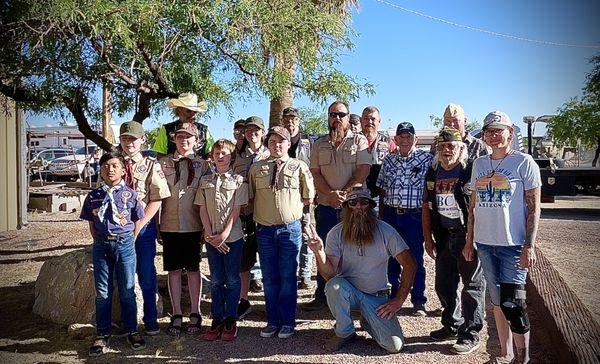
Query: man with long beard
x=338 y=161
x=354 y=262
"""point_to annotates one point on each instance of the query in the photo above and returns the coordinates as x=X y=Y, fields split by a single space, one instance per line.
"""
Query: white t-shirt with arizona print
x=500 y=207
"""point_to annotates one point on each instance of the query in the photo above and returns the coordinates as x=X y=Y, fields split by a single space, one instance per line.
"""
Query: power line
x=490 y=32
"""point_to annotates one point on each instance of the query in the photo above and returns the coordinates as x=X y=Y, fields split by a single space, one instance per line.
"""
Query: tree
x=579 y=119
x=438 y=122
x=313 y=122
x=58 y=54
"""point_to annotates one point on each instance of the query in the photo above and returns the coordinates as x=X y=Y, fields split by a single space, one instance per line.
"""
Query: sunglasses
x=494 y=132
x=441 y=147
x=358 y=201
x=338 y=114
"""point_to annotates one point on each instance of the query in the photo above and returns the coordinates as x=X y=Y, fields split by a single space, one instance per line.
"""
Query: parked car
x=73 y=165
x=40 y=158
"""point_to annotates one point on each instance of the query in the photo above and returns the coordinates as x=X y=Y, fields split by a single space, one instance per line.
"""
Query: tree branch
x=73 y=105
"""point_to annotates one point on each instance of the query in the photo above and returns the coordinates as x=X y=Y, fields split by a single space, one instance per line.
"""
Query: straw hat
x=187 y=101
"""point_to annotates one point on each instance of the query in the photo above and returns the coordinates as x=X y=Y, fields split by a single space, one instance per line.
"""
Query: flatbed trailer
x=570 y=181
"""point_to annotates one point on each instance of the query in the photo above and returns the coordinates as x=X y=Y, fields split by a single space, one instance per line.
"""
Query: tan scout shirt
x=220 y=192
x=337 y=165
x=178 y=212
x=284 y=204
x=149 y=181
x=242 y=163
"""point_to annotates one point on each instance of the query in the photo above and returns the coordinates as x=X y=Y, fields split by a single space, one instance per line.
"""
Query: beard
x=358 y=225
x=338 y=133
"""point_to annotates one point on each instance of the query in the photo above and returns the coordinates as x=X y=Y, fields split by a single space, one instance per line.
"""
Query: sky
x=418 y=65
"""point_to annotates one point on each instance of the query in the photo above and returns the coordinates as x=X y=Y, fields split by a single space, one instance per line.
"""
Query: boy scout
x=282 y=190
x=180 y=226
x=144 y=175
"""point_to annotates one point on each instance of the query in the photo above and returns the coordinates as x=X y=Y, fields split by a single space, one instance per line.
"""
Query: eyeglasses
x=448 y=146
x=237 y=132
x=493 y=131
x=338 y=114
x=358 y=201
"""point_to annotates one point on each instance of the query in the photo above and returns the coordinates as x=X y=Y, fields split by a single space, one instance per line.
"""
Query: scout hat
x=448 y=134
x=281 y=131
x=453 y=110
x=255 y=120
x=405 y=127
x=131 y=128
x=360 y=193
x=189 y=128
x=241 y=122
x=187 y=101
x=290 y=111
x=497 y=120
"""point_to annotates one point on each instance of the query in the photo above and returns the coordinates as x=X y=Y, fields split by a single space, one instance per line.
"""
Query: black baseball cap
x=405 y=127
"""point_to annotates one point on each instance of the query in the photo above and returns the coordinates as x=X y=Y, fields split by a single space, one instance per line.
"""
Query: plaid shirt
x=403 y=178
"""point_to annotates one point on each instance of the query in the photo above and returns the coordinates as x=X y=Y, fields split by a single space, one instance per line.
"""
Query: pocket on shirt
x=350 y=154
x=324 y=156
x=291 y=179
x=262 y=181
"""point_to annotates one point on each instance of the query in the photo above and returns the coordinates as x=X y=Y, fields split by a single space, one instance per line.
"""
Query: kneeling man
x=354 y=263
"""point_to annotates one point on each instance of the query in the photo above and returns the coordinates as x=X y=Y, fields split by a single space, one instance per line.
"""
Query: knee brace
x=512 y=303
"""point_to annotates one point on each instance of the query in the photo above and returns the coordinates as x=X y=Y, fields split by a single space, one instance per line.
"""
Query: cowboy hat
x=188 y=101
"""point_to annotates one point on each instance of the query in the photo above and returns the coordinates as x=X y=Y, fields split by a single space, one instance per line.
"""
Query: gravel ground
x=28 y=338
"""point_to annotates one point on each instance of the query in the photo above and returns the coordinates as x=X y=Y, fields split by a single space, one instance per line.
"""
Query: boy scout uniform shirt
x=242 y=163
x=128 y=205
x=220 y=192
x=337 y=165
x=178 y=212
x=283 y=204
x=148 y=180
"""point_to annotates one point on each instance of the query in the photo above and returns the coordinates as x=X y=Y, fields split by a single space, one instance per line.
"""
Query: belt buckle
x=110 y=237
x=400 y=210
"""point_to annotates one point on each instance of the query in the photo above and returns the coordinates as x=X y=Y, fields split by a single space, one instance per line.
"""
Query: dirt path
x=26 y=338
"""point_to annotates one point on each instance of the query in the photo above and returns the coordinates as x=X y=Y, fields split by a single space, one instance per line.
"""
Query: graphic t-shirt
x=445 y=184
x=500 y=208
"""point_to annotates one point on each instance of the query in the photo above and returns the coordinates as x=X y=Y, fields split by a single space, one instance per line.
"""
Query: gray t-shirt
x=500 y=207
x=365 y=268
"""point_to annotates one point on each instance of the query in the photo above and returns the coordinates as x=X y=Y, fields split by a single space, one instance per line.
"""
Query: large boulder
x=65 y=293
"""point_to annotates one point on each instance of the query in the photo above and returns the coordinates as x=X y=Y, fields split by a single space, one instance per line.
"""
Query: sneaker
x=443 y=334
x=136 y=341
x=336 y=343
x=244 y=308
x=464 y=346
x=213 y=333
x=285 y=332
x=99 y=345
x=419 y=310
x=269 y=331
x=256 y=285
x=152 y=329
x=314 y=305
x=305 y=283
x=229 y=330
x=504 y=359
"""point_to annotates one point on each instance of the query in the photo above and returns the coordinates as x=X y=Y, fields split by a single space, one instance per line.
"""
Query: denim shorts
x=500 y=265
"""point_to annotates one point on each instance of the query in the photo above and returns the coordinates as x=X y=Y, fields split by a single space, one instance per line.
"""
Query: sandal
x=194 y=328
x=175 y=330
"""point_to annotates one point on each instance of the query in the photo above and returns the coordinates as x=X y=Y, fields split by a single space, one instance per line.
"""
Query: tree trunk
x=286 y=64
x=107 y=132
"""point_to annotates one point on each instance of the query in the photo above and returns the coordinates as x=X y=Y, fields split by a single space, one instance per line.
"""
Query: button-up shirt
x=242 y=163
x=148 y=180
x=178 y=212
x=403 y=178
x=128 y=206
x=220 y=192
x=475 y=147
x=279 y=202
x=338 y=164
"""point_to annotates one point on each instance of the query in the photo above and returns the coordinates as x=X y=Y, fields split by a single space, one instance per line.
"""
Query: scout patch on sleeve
x=160 y=173
x=430 y=185
x=141 y=169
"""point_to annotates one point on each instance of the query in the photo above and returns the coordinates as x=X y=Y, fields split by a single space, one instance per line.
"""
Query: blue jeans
x=145 y=251
x=500 y=265
x=409 y=226
x=306 y=260
x=225 y=278
x=114 y=257
x=326 y=218
x=278 y=248
x=342 y=297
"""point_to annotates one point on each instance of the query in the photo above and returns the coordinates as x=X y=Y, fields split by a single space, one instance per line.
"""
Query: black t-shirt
x=294 y=145
x=445 y=185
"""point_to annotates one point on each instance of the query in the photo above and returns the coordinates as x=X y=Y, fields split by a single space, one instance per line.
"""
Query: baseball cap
x=405 y=127
x=448 y=134
x=360 y=193
x=281 y=131
x=240 y=122
x=290 y=111
x=131 y=128
x=453 y=110
x=497 y=120
x=354 y=119
x=189 y=128
x=255 y=120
